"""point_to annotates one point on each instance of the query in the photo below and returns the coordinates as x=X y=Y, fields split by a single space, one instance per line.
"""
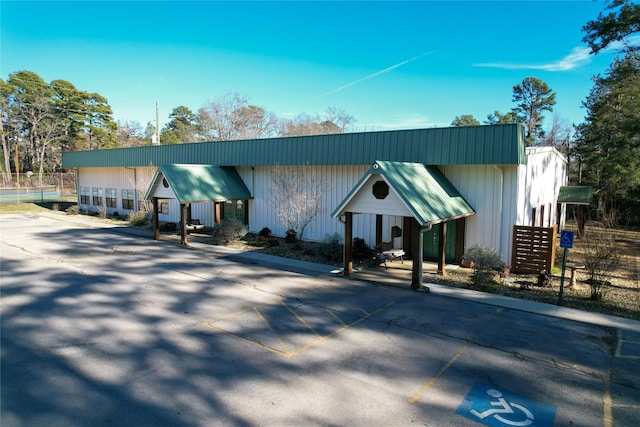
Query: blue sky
x=392 y=65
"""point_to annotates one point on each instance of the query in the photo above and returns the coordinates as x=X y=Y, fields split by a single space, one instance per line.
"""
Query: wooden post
x=156 y=225
x=378 y=229
x=581 y=221
x=416 y=255
x=442 y=250
x=348 y=244
x=183 y=225
x=217 y=212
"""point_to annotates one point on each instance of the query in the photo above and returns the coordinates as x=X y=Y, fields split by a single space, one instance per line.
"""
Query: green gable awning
x=199 y=183
x=425 y=192
x=575 y=195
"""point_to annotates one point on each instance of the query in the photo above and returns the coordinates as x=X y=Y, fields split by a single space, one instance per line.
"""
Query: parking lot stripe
x=451 y=361
x=300 y=319
x=429 y=383
x=268 y=325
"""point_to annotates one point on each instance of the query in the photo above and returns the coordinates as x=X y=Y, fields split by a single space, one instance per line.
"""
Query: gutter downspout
x=497 y=219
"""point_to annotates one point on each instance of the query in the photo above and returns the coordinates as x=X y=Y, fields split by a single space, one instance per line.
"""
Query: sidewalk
x=396 y=277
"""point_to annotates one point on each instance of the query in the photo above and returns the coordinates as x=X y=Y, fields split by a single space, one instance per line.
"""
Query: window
x=85 y=194
x=128 y=199
x=380 y=190
x=96 y=194
x=111 y=195
x=234 y=209
x=163 y=207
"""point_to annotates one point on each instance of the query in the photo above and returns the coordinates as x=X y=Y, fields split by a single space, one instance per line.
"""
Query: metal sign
x=566 y=239
x=488 y=405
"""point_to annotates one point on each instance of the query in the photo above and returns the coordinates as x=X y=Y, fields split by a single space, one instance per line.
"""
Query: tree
x=231 y=117
x=608 y=143
x=501 y=119
x=615 y=26
x=182 y=128
x=332 y=121
x=465 y=120
x=297 y=197
x=130 y=134
x=533 y=97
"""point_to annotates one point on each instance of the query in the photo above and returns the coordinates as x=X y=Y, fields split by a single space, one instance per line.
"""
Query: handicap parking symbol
x=495 y=407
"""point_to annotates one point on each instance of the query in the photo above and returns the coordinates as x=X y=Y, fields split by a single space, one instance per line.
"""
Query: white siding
x=502 y=196
x=540 y=182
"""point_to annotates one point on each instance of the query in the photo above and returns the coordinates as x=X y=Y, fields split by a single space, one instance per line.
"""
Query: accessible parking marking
x=288 y=327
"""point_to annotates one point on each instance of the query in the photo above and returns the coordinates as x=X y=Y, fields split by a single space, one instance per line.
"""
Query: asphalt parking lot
x=102 y=327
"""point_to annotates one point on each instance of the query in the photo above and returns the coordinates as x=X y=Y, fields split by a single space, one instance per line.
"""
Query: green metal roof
x=576 y=195
x=425 y=191
x=198 y=183
x=495 y=144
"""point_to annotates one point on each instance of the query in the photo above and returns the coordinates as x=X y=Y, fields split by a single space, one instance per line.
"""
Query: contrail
x=376 y=74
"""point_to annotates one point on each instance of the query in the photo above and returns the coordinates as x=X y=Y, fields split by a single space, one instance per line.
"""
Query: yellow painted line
x=266 y=322
x=287 y=353
x=334 y=316
x=337 y=331
x=451 y=361
x=429 y=383
x=607 y=401
x=300 y=319
x=239 y=312
x=256 y=343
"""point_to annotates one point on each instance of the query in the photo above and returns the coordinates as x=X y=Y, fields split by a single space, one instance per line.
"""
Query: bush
x=361 y=250
x=73 y=210
x=485 y=263
x=138 y=218
x=331 y=248
x=233 y=229
x=600 y=258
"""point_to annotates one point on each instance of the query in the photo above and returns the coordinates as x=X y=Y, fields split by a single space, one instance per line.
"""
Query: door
x=431 y=242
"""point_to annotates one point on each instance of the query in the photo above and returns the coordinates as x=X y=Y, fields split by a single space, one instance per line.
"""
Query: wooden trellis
x=534 y=249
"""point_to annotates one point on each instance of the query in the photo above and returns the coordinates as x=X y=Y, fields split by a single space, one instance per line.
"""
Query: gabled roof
x=426 y=192
x=199 y=183
x=576 y=195
x=463 y=145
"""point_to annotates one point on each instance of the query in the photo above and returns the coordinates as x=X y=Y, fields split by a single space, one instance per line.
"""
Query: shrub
x=138 y=218
x=600 y=258
x=485 y=262
x=73 y=210
x=331 y=248
x=361 y=250
x=233 y=229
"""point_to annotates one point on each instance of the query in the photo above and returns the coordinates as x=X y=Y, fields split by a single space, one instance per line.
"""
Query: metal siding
x=498 y=144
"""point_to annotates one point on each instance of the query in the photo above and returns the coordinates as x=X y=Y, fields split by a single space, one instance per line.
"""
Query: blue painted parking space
x=495 y=407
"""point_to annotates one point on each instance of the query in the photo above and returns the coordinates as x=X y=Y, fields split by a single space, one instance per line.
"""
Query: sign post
x=566 y=242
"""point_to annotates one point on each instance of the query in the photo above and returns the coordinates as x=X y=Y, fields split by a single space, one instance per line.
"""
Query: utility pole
x=157 y=123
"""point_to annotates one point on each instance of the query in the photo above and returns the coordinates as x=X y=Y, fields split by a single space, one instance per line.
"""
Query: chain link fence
x=35 y=188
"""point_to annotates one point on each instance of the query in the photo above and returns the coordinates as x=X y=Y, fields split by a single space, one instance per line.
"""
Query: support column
x=416 y=255
x=183 y=225
x=442 y=250
x=217 y=212
x=378 y=229
x=348 y=244
x=156 y=222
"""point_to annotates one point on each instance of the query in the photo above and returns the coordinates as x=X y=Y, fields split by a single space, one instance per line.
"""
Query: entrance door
x=431 y=242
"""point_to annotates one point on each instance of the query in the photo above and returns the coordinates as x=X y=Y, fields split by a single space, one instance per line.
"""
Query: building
x=486 y=168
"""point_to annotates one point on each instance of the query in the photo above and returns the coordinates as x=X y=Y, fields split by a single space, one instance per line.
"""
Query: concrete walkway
x=398 y=276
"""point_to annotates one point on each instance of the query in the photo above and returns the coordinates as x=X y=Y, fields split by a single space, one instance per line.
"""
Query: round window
x=380 y=190
x=165 y=182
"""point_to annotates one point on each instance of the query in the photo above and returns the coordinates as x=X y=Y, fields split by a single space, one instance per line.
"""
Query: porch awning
x=199 y=183
x=422 y=192
x=575 y=195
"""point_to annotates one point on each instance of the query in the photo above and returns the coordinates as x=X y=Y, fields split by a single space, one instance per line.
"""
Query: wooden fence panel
x=534 y=249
